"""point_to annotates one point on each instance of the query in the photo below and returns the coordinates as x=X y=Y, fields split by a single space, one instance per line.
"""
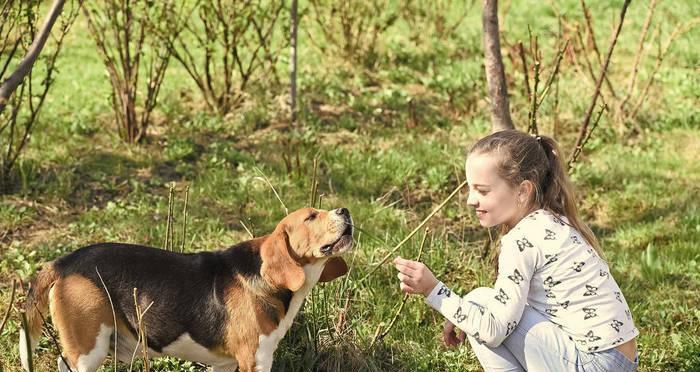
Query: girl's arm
x=488 y=314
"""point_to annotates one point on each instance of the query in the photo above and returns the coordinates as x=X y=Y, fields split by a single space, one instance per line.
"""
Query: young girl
x=554 y=306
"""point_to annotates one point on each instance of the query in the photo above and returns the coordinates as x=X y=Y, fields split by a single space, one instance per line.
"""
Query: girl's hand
x=415 y=276
x=451 y=335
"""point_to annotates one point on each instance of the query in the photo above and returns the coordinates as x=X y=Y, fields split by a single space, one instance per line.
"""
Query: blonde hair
x=536 y=159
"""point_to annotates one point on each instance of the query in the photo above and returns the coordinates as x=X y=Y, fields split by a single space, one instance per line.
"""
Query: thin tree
x=495 y=74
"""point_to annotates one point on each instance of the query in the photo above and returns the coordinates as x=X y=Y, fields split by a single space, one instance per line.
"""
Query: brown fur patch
x=78 y=308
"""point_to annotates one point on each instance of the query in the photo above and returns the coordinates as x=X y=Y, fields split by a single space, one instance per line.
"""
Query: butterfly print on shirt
x=619 y=340
x=578 y=266
x=575 y=239
x=593 y=348
x=616 y=324
x=559 y=221
x=591 y=290
x=618 y=296
x=550 y=234
x=628 y=313
x=511 y=327
x=549 y=294
x=523 y=243
x=444 y=291
x=551 y=311
x=604 y=273
x=564 y=304
x=592 y=337
x=502 y=297
x=516 y=277
x=590 y=313
x=550 y=258
x=549 y=282
x=478 y=339
x=459 y=316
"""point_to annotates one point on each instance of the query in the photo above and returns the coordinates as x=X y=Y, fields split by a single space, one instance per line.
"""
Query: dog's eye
x=311 y=217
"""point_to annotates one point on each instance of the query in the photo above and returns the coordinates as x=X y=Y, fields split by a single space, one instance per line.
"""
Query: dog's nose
x=342 y=211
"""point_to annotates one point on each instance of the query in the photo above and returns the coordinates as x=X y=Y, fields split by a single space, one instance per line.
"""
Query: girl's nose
x=471 y=199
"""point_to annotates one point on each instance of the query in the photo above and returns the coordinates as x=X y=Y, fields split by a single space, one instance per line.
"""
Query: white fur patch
x=268 y=344
x=187 y=348
x=94 y=359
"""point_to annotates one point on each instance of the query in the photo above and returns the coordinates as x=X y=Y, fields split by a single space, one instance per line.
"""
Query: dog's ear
x=278 y=266
x=335 y=268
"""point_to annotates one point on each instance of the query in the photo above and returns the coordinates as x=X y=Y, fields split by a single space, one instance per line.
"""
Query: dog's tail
x=36 y=308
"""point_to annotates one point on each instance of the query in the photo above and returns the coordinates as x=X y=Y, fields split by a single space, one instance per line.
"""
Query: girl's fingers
x=407 y=263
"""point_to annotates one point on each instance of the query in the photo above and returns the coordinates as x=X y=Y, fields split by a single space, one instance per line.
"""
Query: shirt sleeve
x=491 y=314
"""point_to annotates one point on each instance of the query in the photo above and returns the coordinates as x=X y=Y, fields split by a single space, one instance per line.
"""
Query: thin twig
x=53 y=337
x=247 y=230
x=523 y=60
x=638 y=55
x=393 y=250
x=381 y=335
x=532 y=115
x=184 y=219
x=264 y=178
x=9 y=307
x=578 y=150
x=603 y=70
x=114 y=316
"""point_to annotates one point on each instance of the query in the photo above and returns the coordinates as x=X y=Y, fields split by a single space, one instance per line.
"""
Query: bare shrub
x=351 y=29
x=123 y=31
x=26 y=75
x=228 y=46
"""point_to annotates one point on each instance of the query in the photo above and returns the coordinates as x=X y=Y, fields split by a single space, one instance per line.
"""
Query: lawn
x=389 y=138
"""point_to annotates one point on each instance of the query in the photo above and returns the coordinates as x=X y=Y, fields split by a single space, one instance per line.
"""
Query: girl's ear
x=526 y=192
x=278 y=266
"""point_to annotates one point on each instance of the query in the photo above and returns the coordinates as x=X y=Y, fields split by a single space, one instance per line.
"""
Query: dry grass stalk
x=409 y=236
x=603 y=70
x=168 y=245
x=267 y=181
x=247 y=230
x=114 y=316
x=380 y=335
x=141 y=330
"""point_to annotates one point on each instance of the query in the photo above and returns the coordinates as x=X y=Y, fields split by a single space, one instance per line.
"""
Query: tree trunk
x=495 y=75
x=293 y=62
x=13 y=81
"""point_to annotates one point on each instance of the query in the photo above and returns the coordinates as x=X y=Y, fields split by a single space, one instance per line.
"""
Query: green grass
x=390 y=162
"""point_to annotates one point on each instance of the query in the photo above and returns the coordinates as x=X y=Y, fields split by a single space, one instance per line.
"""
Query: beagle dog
x=228 y=309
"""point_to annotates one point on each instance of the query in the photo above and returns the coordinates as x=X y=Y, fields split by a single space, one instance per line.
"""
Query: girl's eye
x=483 y=192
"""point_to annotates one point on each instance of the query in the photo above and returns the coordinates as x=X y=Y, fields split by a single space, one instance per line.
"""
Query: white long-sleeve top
x=545 y=263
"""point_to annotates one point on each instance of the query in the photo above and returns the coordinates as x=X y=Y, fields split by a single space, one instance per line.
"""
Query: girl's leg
x=491 y=358
x=495 y=358
x=540 y=345
x=536 y=344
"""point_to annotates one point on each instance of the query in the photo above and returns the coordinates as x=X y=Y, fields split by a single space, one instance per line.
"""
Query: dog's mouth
x=342 y=244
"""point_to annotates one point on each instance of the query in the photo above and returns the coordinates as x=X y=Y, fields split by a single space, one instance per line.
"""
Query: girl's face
x=496 y=202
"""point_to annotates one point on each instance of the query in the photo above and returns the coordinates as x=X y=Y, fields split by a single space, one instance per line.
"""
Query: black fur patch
x=187 y=290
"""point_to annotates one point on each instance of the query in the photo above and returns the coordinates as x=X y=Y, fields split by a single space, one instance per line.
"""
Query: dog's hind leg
x=82 y=315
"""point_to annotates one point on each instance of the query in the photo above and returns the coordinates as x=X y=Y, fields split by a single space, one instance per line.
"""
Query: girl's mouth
x=480 y=213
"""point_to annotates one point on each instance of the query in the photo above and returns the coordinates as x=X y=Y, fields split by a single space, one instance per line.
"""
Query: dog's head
x=307 y=236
